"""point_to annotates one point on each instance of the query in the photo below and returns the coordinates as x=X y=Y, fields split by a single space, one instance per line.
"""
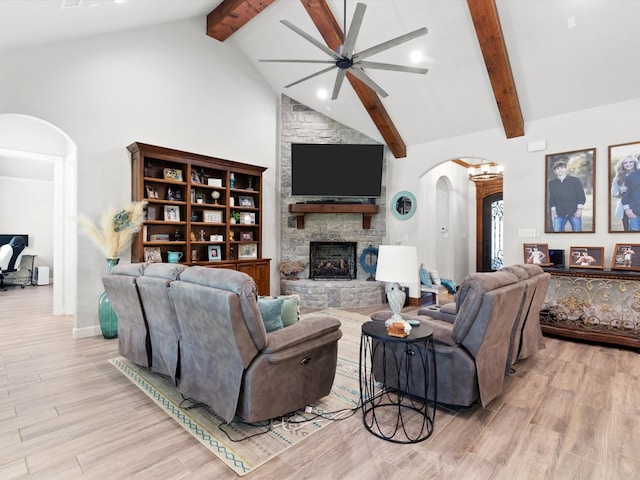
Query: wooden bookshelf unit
x=192 y=201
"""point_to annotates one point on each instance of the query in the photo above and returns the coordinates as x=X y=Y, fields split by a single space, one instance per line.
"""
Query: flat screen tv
x=336 y=170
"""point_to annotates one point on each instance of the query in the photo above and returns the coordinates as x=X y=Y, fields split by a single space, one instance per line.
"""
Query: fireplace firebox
x=332 y=260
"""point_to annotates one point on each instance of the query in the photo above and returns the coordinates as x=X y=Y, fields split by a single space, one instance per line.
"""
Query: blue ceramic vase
x=108 y=318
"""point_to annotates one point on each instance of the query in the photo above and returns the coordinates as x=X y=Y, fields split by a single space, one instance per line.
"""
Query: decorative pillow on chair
x=290 y=309
x=435 y=277
x=425 y=278
x=271 y=311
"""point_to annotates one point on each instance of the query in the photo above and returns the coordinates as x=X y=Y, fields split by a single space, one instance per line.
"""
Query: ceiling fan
x=346 y=60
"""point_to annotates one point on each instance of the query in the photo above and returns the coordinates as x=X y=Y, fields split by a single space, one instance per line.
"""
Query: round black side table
x=395 y=376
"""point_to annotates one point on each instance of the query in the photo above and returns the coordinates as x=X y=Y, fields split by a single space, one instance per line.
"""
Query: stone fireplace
x=343 y=287
x=332 y=260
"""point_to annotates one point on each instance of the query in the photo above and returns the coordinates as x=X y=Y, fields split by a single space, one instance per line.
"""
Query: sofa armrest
x=442 y=330
x=303 y=336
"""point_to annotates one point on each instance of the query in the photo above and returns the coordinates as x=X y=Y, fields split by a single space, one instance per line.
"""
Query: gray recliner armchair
x=134 y=342
x=231 y=363
x=471 y=351
x=162 y=322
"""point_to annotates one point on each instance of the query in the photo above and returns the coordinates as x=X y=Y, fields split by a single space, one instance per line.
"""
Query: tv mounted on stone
x=336 y=170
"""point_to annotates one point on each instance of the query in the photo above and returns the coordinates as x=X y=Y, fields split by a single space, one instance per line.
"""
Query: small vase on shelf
x=108 y=318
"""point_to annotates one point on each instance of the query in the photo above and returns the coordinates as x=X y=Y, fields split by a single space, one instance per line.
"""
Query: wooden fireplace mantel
x=301 y=209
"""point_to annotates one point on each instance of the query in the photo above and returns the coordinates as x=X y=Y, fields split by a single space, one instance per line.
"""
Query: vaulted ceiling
x=491 y=65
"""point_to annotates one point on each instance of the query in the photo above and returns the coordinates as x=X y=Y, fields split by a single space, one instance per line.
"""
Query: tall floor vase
x=108 y=318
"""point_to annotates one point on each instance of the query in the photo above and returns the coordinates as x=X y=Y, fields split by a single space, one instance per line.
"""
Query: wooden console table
x=601 y=306
x=367 y=210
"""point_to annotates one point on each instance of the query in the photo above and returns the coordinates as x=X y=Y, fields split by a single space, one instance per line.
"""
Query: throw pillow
x=435 y=277
x=450 y=284
x=290 y=309
x=425 y=279
x=271 y=311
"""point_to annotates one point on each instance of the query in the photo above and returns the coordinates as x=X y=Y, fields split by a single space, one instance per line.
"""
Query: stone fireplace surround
x=300 y=124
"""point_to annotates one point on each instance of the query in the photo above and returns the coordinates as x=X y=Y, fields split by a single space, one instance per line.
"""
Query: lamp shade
x=397 y=263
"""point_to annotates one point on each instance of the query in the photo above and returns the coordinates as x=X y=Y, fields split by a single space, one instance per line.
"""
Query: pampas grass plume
x=115 y=230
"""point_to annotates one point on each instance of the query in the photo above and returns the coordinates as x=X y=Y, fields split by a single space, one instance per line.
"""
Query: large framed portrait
x=626 y=256
x=570 y=192
x=536 y=253
x=586 y=257
x=624 y=160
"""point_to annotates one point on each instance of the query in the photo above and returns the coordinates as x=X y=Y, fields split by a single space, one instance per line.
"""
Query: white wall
x=524 y=181
x=169 y=85
x=27 y=207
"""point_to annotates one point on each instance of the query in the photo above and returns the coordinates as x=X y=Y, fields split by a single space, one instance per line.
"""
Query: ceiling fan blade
x=324 y=70
x=389 y=66
x=297 y=61
x=390 y=43
x=354 y=29
x=338 y=84
x=364 y=78
x=310 y=39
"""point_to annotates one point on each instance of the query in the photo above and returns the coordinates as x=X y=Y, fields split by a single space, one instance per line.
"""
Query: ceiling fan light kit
x=349 y=61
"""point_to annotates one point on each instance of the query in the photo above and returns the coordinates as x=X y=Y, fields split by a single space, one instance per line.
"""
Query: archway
x=26 y=137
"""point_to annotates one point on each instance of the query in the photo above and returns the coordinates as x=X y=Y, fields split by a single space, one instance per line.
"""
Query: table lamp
x=397 y=264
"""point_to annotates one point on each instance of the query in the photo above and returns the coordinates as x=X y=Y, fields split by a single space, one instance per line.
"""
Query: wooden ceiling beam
x=332 y=34
x=487 y=24
x=231 y=15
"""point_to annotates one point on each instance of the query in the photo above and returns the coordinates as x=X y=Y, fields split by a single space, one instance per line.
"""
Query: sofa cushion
x=271 y=311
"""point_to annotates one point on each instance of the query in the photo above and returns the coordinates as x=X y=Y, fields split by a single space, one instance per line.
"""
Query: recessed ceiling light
x=322 y=94
x=71 y=3
x=416 y=56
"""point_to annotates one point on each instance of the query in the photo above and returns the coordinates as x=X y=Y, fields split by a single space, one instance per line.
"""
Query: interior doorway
x=489 y=225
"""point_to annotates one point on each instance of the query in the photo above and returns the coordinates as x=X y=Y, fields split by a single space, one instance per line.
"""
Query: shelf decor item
x=626 y=256
x=113 y=234
x=586 y=257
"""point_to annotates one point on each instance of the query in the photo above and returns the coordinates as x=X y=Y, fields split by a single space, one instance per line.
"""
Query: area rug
x=251 y=447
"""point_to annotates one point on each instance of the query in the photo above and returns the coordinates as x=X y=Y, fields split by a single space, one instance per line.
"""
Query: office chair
x=10 y=258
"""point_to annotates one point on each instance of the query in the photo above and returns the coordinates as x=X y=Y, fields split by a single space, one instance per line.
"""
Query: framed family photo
x=536 y=253
x=246 y=201
x=626 y=256
x=214 y=253
x=248 y=251
x=570 y=191
x=623 y=161
x=152 y=254
x=586 y=257
x=171 y=213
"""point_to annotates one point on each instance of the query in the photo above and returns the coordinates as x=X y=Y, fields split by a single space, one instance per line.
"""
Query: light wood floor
x=571 y=412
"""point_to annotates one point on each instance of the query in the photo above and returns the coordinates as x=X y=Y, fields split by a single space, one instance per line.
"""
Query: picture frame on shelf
x=586 y=257
x=626 y=256
x=247 y=218
x=246 y=236
x=215 y=253
x=247 y=251
x=171 y=213
x=536 y=253
x=212 y=216
x=172 y=174
x=246 y=201
x=194 y=177
x=152 y=212
x=214 y=182
x=570 y=193
x=152 y=193
x=152 y=254
x=624 y=159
